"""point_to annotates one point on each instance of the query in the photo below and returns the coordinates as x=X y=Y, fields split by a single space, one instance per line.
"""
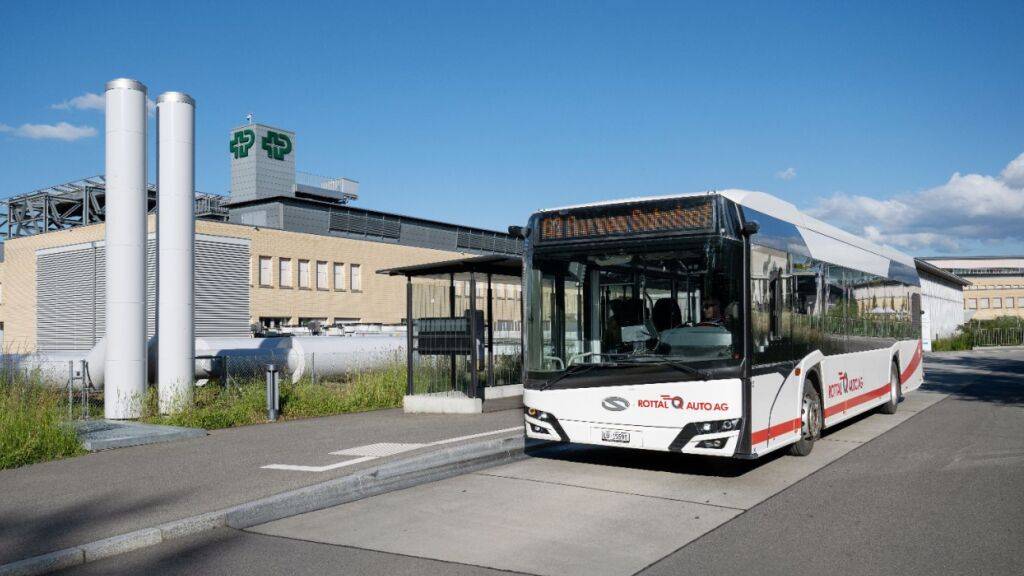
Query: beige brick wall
x=382 y=298
x=1001 y=287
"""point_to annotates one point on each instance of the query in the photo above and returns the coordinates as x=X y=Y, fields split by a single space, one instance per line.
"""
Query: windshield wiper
x=573 y=370
x=702 y=374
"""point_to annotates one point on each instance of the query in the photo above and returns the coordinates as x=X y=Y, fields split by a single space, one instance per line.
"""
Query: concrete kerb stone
x=44 y=563
x=121 y=543
x=395 y=475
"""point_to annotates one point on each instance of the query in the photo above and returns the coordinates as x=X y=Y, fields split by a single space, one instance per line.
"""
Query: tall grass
x=32 y=427
x=244 y=402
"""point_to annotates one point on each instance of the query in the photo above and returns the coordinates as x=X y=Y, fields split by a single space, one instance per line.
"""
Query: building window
x=321 y=276
x=266 y=271
x=304 y=274
x=339 y=276
x=284 y=272
x=1009 y=301
x=972 y=304
x=983 y=304
x=355 y=277
x=997 y=302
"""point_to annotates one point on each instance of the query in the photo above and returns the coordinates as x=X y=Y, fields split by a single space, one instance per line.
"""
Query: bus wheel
x=810 y=421
x=895 y=391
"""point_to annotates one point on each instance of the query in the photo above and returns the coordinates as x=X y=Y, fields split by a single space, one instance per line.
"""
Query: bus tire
x=811 y=421
x=895 y=390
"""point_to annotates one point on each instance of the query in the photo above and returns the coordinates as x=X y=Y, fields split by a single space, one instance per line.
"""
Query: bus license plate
x=620 y=436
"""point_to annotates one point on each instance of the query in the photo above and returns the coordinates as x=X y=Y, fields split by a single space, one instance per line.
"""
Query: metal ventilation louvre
x=71 y=292
x=471 y=240
x=365 y=224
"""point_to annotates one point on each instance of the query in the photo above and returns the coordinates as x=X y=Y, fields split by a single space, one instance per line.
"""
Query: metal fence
x=986 y=337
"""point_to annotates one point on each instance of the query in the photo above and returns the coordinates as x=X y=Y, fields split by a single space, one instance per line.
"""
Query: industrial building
x=942 y=302
x=285 y=249
x=997 y=284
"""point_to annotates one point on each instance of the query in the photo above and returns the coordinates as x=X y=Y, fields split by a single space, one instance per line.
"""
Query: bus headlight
x=715 y=426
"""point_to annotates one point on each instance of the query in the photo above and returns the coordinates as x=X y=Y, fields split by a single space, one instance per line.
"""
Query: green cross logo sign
x=240 y=144
x=276 y=144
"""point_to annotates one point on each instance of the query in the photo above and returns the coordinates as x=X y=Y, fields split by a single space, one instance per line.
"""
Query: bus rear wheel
x=810 y=421
x=895 y=390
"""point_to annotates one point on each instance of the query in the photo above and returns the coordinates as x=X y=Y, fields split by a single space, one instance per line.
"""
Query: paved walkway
x=54 y=505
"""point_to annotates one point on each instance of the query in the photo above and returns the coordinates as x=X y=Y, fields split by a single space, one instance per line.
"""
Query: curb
x=389 y=476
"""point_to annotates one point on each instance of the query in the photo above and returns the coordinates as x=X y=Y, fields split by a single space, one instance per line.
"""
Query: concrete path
x=54 y=505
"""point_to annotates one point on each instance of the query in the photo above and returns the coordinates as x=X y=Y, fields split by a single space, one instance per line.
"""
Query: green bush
x=31 y=423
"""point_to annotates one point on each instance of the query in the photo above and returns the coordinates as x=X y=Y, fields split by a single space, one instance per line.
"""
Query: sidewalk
x=55 y=505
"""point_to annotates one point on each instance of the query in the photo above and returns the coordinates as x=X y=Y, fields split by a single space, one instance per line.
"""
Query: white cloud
x=92 y=101
x=1013 y=174
x=787 y=174
x=59 y=131
x=969 y=208
x=87 y=101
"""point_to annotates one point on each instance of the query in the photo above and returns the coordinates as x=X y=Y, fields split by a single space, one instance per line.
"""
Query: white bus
x=725 y=324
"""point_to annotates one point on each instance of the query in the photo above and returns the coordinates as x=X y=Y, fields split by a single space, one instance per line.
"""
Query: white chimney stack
x=175 y=129
x=126 y=206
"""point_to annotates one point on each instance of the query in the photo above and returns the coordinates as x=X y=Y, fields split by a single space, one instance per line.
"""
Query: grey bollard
x=273 y=393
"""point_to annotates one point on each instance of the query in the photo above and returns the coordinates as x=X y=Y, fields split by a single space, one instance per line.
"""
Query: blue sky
x=901 y=123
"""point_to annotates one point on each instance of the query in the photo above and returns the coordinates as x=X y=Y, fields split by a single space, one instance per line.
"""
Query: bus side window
x=775 y=305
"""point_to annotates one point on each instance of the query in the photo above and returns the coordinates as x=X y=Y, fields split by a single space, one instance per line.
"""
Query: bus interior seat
x=666 y=314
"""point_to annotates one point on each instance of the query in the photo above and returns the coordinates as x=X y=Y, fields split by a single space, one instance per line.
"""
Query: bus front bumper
x=709 y=438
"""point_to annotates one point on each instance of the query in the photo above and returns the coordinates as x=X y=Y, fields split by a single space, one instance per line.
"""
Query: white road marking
x=319 y=468
x=379 y=450
x=471 y=436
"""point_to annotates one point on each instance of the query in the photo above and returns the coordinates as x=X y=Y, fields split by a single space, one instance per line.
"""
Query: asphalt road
x=937 y=494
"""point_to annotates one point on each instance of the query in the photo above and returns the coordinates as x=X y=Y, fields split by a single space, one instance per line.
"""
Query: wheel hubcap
x=811 y=421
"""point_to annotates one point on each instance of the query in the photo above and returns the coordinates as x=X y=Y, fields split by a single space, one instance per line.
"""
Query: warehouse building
x=942 y=302
x=997 y=284
x=286 y=249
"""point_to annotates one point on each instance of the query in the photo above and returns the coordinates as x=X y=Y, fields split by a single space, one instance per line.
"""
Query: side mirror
x=518 y=232
x=751 y=227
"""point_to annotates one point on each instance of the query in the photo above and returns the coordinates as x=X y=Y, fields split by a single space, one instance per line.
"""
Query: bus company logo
x=677 y=403
x=615 y=404
x=844 y=385
x=276 y=144
x=241 y=142
x=665 y=402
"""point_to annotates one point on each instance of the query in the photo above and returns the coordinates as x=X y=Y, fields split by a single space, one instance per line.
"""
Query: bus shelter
x=464 y=334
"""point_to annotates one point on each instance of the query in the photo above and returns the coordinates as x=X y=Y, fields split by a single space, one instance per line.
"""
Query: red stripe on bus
x=913 y=364
x=777 y=430
x=857 y=400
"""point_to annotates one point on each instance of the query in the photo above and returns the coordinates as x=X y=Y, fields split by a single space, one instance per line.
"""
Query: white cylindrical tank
x=246 y=357
x=332 y=356
x=175 y=229
x=126 y=206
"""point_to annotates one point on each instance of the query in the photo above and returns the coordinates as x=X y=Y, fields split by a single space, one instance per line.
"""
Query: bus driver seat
x=666 y=314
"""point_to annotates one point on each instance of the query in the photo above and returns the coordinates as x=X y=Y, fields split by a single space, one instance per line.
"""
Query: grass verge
x=214 y=407
x=32 y=427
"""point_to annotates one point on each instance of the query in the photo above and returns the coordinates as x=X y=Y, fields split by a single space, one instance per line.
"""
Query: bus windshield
x=650 y=307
